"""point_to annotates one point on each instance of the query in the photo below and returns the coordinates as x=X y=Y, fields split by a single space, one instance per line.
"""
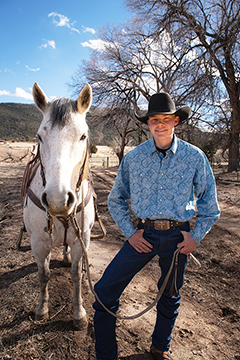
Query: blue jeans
x=120 y=272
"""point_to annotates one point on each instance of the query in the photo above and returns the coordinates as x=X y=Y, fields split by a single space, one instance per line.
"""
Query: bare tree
x=134 y=65
x=212 y=30
x=125 y=132
x=124 y=126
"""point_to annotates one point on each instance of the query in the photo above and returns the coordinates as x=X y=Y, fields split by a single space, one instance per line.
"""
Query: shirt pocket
x=181 y=182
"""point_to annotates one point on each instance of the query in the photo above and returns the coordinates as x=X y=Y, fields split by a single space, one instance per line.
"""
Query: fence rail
x=106 y=162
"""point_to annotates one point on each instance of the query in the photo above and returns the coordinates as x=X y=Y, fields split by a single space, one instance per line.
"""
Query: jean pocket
x=179 y=232
x=184 y=227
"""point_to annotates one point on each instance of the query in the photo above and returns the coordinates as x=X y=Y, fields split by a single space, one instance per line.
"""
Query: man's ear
x=177 y=118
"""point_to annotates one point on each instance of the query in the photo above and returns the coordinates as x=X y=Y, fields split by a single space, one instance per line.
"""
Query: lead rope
x=49 y=228
x=159 y=294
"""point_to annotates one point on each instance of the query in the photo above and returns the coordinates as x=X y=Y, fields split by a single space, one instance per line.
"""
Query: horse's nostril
x=44 y=200
x=58 y=204
x=71 y=199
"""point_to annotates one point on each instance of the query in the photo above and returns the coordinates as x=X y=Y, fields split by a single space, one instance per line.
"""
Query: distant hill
x=100 y=134
x=20 y=122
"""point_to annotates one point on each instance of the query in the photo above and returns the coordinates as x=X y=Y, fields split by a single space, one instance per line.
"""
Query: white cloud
x=74 y=29
x=52 y=97
x=98 y=44
x=32 y=69
x=62 y=20
x=9 y=71
x=19 y=92
x=49 y=43
x=52 y=44
x=87 y=29
x=4 y=92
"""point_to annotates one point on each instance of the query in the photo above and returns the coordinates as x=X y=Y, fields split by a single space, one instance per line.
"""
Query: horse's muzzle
x=58 y=205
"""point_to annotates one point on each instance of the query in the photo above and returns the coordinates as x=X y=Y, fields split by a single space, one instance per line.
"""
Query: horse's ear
x=40 y=98
x=85 y=99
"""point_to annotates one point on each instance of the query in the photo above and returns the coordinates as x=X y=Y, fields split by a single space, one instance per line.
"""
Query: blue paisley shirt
x=163 y=187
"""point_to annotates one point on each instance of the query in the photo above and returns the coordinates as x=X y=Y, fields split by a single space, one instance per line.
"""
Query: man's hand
x=139 y=243
x=188 y=244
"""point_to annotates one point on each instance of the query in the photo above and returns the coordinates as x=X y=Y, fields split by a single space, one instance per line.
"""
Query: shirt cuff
x=195 y=236
x=129 y=230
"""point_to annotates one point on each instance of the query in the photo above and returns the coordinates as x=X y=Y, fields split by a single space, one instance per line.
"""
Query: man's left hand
x=188 y=244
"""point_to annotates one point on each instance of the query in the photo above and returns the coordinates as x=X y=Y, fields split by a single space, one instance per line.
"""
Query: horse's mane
x=60 y=111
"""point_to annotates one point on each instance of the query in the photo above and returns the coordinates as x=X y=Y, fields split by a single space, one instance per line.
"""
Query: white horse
x=61 y=183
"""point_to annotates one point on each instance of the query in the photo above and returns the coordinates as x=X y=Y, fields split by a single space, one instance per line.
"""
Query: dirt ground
x=208 y=325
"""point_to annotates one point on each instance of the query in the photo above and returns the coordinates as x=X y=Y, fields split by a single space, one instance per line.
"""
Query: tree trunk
x=120 y=153
x=233 y=163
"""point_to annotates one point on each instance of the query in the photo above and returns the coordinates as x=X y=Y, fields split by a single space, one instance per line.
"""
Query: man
x=159 y=177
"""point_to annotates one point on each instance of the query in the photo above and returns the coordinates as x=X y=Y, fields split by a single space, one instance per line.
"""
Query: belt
x=161 y=224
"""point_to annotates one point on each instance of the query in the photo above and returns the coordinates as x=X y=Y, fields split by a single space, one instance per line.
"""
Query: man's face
x=162 y=127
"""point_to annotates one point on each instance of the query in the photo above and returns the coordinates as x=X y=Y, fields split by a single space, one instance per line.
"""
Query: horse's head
x=63 y=140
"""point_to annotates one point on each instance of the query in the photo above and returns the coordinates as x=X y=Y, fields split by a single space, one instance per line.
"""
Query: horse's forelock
x=61 y=110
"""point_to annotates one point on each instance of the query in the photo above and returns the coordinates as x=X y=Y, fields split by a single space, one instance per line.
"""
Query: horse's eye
x=39 y=137
x=83 y=137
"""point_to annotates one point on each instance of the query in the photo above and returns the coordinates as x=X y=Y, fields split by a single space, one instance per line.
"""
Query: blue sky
x=45 y=40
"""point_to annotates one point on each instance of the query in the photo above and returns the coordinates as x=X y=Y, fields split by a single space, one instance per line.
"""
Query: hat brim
x=184 y=112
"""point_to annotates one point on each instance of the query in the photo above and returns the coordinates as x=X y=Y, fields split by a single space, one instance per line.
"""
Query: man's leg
x=167 y=307
x=116 y=277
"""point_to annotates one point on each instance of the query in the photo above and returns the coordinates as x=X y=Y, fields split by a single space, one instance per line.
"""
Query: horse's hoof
x=67 y=263
x=80 y=324
x=41 y=317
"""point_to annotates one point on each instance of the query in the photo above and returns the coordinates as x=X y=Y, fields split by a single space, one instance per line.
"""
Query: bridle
x=83 y=173
x=26 y=192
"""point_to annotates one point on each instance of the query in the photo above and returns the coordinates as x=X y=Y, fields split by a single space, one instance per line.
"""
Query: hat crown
x=161 y=103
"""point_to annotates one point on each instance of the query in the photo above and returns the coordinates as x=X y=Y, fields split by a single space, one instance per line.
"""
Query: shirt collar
x=152 y=147
x=174 y=146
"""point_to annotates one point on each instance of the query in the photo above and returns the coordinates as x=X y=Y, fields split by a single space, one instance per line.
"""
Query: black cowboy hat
x=162 y=103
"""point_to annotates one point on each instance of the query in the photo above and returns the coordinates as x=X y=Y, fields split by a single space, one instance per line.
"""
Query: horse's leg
x=42 y=256
x=66 y=256
x=79 y=313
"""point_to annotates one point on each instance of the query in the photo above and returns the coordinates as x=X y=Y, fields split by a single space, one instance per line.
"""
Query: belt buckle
x=161 y=224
